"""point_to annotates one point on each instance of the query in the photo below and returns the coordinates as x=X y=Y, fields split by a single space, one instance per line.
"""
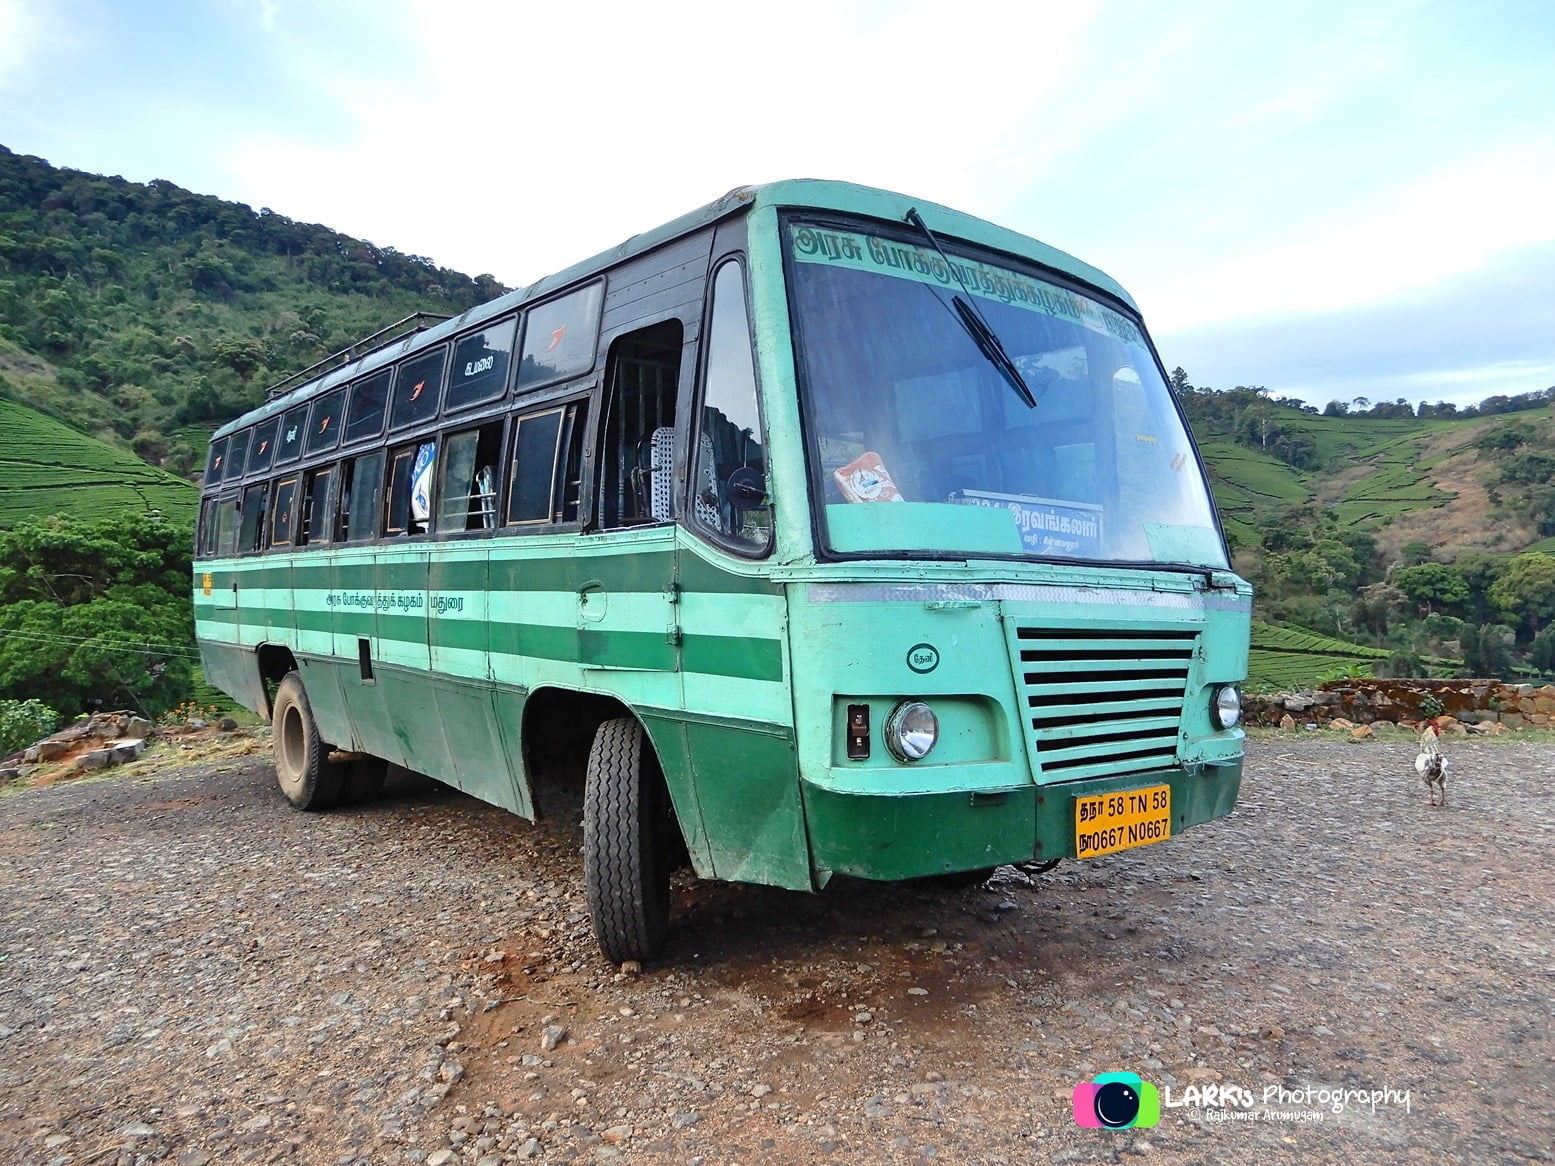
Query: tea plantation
x=49 y=468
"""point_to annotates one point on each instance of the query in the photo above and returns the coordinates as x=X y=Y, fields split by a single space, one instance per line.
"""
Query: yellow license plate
x=1108 y=823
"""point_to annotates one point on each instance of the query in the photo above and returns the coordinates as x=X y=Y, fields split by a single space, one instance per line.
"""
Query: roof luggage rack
x=417 y=322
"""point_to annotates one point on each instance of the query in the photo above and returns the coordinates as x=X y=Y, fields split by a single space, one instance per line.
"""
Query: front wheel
x=302 y=766
x=628 y=843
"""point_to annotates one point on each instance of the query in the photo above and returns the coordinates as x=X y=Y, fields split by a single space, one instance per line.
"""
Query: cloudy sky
x=1328 y=199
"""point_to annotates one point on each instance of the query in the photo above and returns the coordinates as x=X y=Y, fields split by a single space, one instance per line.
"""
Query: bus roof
x=812 y=193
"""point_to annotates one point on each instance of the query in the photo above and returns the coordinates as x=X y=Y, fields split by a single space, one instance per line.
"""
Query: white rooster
x=1431 y=765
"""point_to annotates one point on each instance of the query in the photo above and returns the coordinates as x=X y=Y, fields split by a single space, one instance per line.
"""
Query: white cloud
x=25 y=32
x=269 y=14
x=517 y=139
x=1411 y=235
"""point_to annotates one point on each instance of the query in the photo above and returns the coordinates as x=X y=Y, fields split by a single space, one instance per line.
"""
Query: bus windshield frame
x=900 y=404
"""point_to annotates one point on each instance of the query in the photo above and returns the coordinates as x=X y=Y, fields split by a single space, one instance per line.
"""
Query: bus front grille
x=1103 y=703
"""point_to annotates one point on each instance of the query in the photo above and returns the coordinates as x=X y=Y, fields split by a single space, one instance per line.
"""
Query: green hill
x=160 y=310
x=1434 y=481
x=1288 y=658
x=48 y=468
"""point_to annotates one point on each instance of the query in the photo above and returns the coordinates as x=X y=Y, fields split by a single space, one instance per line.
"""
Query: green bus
x=821 y=531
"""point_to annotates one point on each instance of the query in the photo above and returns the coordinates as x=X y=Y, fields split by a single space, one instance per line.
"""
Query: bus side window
x=216 y=463
x=642 y=376
x=312 y=527
x=356 y=513
x=251 y=533
x=468 y=499
x=282 y=512
x=207 y=535
x=408 y=506
x=228 y=512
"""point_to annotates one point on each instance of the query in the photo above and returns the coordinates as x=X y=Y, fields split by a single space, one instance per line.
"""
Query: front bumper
x=889 y=836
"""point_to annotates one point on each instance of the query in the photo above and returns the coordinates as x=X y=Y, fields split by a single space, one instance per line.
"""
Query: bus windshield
x=903 y=407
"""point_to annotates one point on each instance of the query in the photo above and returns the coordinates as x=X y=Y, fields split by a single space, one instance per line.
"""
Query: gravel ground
x=191 y=972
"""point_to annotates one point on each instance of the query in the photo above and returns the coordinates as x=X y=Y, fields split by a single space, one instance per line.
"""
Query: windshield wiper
x=977 y=328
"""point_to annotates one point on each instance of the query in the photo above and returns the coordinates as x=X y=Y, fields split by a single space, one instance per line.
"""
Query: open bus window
x=468 y=500
x=369 y=399
x=361 y=479
x=480 y=368
x=262 y=449
x=729 y=475
x=408 y=506
x=228 y=513
x=311 y=526
x=416 y=389
x=559 y=337
x=324 y=424
x=643 y=374
x=207 y=535
x=216 y=462
x=251 y=535
x=282 y=511
x=289 y=443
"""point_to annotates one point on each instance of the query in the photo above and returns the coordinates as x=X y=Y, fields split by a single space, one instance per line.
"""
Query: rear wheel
x=630 y=843
x=302 y=765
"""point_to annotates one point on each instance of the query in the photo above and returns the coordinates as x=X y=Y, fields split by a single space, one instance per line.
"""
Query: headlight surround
x=1227 y=707
x=911 y=730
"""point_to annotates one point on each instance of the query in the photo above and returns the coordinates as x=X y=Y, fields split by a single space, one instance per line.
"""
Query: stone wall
x=1473 y=705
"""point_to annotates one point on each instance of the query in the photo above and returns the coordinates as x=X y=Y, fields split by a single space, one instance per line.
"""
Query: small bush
x=22 y=722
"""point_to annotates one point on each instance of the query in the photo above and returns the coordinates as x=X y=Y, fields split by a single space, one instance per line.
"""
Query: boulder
x=51 y=749
x=1360 y=732
x=138 y=727
x=30 y=755
x=96 y=759
x=1383 y=726
x=1513 y=720
x=1341 y=724
x=126 y=749
x=1287 y=722
x=10 y=774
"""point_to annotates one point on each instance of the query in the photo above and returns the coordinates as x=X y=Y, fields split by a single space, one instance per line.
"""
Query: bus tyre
x=302 y=765
x=628 y=843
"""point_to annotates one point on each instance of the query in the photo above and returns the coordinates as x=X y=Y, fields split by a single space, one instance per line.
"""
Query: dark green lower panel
x=905 y=836
x=902 y=836
x=736 y=791
x=235 y=670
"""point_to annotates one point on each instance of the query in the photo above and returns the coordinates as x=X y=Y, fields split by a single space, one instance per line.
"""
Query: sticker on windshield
x=865 y=479
x=1047 y=526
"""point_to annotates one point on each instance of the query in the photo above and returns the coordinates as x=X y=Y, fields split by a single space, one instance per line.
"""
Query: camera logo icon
x=1117 y=1101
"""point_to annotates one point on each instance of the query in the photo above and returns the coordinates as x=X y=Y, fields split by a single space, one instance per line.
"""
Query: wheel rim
x=291 y=746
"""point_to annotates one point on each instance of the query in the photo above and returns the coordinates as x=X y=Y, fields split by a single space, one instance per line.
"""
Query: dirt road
x=190 y=972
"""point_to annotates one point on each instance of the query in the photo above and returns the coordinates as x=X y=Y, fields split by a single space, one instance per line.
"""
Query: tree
x=1432 y=585
x=1485 y=651
x=1525 y=594
x=96 y=610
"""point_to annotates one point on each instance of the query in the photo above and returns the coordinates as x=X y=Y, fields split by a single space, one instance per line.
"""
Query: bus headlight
x=911 y=730
x=1228 y=707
